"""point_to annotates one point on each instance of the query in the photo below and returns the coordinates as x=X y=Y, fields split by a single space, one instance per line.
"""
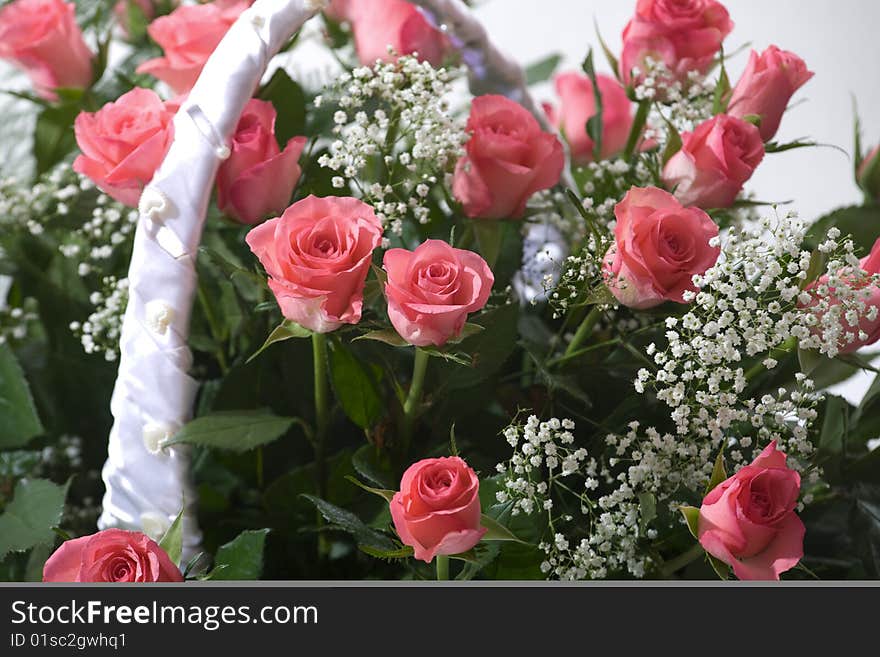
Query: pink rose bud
x=714 y=162
x=112 y=555
x=575 y=90
x=766 y=86
x=258 y=178
x=868 y=175
x=188 y=36
x=123 y=143
x=317 y=255
x=685 y=35
x=42 y=38
x=433 y=289
x=659 y=247
x=437 y=510
x=748 y=521
x=398 y=24
x=507 y=159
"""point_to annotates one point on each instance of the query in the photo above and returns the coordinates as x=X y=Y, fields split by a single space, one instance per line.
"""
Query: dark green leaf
x=284 y=331
x=388 y=336
x=53 y=135
x=719 y=474
x=860 y=222
x=172 y=541
x=238 y=431
x=638 y=127
x=242 y=558
x=348 y=522
x=721 y=569
x=595 y=123
x=692 y=516
x=673 y=145
x=356 y=388
x=18 y=416
x=374 y=464
x=36 y=507
x=496 y=531
x=543 y=69
x=489 y=237
x=400 y=553
x=387 y=495
x=289 y=101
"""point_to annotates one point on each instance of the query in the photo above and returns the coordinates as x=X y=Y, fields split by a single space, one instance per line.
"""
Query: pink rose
x=683 y=34
x=507 y=159
x=123 y=143
x=42 y=38
x=766 y=86
x=378 y=24
x=258 y=178
x=868 y=175
x=317 y=255
x=188 y=35
x=113 y=555
x=748 y=521
x=432 y=290
x=714 y=162
x=579 y=105
x=437 y=510
x=659 y=246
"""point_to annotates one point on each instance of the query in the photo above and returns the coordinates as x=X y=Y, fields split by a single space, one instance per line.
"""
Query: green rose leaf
x=18 y=416
x=27 y=521
x=242 y=558
x=238 y=431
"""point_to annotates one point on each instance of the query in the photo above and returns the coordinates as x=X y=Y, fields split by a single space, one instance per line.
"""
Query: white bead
x=159 y=315
x=155 y=434
x=154 y=205
x=154 y=524
x=258 y=21
x=316 y=5
x=223 y=152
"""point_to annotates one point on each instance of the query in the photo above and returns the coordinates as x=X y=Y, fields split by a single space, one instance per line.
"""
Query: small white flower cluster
x=100 y=332
x=18 y=322
x=31 y=207
x=681 y=104
x=398 y=114
x=610 y=180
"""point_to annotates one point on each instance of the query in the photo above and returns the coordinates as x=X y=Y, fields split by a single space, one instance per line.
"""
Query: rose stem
x=442 y=562
x=322 y=393
x=674 y=565
x=584 y=330
x=420 y=366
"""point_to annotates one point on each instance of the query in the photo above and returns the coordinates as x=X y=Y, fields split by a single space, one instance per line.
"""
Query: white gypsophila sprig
x=100 y=332
x=396 y=114
x=680 y=104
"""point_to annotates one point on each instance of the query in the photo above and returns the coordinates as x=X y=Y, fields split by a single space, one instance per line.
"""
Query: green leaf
x=638 y=127
x=356 y=387
x=542 y=69
x=489 y=237
x=18 y=416
x=27 y=521
x=346 y=521
x=459 y=358
x=612 y=60
x=600 y=296
x=172 y=541
x=284 y=331
x=595 y=123
x=719 y=474
x=774 y=147
x=467 y=331
x=496 y=531
x=692 y=517
x=238 y=431
x=860 y=222
x=722 y=90
x=373 y=464
x=388 y=336
x=721 y=569
x=289 y=101
x=53 y=135
x=815 y=268
x=387 y=495
x=242 y=558
x=809 y=360
x=400 y=553
x=673 y=145
x=647 y=509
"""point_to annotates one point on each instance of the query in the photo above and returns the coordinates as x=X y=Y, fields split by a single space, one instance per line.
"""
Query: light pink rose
x=123 y=143
x=683 y=34
x=188 y=36
x=42 y=38
x=437 y=510
x=507 y=159
x=112 y=555
x=258 y=178
x=317 y=255
x=748 y=521
x=433 y=289
x=659 y=246
x=575 y=90
x=868 y=175
x=766 y=86
x=714 y=162
x=378 y=24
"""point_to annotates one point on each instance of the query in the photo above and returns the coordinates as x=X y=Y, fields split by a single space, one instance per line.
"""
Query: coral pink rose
x=766 y=86
x=659 y=246
x=748 y=521
x=258 y=178
x=575 y=90
x=714 y=162
x=317 y=255
x=113 y=555
x=437 y=509
x=123 y=143
x=188 y=36
x=683 y=34
x=868 y=175
x=432 y=290
x=42 y=38
x=378 y=24
x=507 y=159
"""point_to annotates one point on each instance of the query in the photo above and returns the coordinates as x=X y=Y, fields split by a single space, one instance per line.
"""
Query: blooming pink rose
x=766 y=86
x=317 y=255
x=659 y=246
x=258 y=178
x=123 y=143
x=748 y=521
x=432 y=290
x=188 y=35
x=437 y=509
x=575 y=90
x=683 y=34
x=868 y=175
x=378 y=24
x=714 y=162
x=42 y=38
x=113 y=555
x=507 y=159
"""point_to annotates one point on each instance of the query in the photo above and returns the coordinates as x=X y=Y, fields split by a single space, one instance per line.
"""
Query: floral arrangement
x=436 y=334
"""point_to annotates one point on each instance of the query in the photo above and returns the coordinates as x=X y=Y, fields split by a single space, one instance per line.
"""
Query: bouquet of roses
x=437 y=333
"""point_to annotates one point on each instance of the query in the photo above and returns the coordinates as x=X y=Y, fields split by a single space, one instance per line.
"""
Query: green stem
x=215 y=329
x=674 y=565
x=442 y=562
x=322 y=420
x=584 y=330
x=411 y=405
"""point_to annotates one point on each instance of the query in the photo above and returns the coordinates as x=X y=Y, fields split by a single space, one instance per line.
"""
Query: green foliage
x=172 y=541
x=543 y=69
x=241 y=558
x=27 y=521
x=238 y=431
x=18 y=415
x=356 y=386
